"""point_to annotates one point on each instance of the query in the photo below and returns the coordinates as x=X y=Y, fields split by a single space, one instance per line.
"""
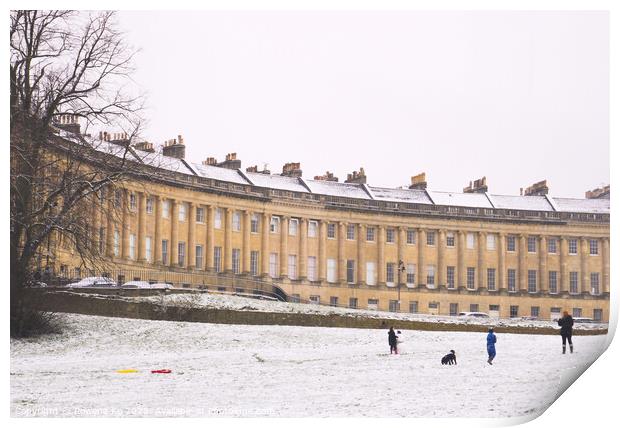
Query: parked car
x=529 y=318
x=583 y=320
x=93 y=281
x=474 y=314
x=37 y=284
x=146 y=284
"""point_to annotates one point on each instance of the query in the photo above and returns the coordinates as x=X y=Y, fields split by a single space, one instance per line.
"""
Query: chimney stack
x=418 y=181
x=68 y=122
x=600 y=193
x=478 y=186
x=537 y=189
x=144 y=146
x=210 y=161
x=328 y=176
x=174 y=148
x=358 y=177
x=231 y=162
x=255 y=169
x=291 y=169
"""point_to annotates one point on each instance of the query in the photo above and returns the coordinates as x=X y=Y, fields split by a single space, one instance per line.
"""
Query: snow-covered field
x=237 y=370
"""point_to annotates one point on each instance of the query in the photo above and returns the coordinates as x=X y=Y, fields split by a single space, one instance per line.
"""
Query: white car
x=146 y=284
x=474 y=314
x=93 y=281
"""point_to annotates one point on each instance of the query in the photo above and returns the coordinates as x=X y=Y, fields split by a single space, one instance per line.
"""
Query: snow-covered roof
x=583 y=205
x=332 y=188
x=164 y=162
x=474 y=200
x=276 y=182
x=529 y=203
x=218 y=173
x=412 y=196
x=352 y=190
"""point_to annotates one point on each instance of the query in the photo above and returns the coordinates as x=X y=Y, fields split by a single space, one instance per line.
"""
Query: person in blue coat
x=491 y=340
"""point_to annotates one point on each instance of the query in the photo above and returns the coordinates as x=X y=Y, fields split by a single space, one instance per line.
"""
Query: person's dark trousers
x=566 y=337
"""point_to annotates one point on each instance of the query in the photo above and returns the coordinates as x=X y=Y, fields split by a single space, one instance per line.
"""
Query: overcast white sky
x=514 y=96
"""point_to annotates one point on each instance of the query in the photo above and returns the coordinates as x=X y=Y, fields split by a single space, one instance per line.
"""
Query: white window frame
x=200 y=215
x=182 y=211
x=292 y=266
x=312 y=268
x=149 y=205
x=491 y=242
x=313 y=227
x=293 y=227
x=217 y=218
x=236 y=221
x=273 y=265
x=148 y=249
x=471 y=241
x=165 y=208
x=199 y=256
x=331 y=271
x=132 y=246
x=255 y=224
x=274 y=224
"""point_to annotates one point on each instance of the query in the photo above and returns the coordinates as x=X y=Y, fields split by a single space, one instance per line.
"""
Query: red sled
x=165 y=371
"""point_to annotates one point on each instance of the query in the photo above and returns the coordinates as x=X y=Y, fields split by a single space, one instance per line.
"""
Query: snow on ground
x=238 y=370
x=223 y=301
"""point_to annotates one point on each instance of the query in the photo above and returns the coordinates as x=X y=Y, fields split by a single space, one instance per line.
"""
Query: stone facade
x=337 y=250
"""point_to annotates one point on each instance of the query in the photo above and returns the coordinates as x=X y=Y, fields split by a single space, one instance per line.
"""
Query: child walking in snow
x=491 y=339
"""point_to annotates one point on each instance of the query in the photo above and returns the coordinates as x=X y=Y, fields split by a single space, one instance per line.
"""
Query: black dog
x=449 y=358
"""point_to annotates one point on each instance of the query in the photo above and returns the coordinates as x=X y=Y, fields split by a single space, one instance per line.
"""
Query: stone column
x=209 y=263
x=501 y=261
x=110 y=227
x=605 y=254
x=583 y=266
x=523 y=263
x=402 y=239
x=381 y=253
x=303 y=248
x=441 y=258
x=126 y=226
x=174 y=233
x=264 y=244
x=482 y=244
x=228 y=241
x=142 y=227
x=157 y=238
x=542 y=265
x=322 y=250
x=564 y=280
x=247 y=220
x=421 y=256
x=361 y=237
x=342 y=260
x=284 y=247
x=191 y=236
x=460 y=250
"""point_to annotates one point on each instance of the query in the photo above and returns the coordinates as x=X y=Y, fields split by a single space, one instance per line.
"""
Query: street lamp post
x=401 y=268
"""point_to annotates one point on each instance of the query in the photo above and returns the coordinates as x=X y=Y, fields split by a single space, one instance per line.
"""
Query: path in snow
x=237 y=370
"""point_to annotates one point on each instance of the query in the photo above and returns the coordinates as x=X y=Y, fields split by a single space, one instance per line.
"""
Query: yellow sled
x=127 y=371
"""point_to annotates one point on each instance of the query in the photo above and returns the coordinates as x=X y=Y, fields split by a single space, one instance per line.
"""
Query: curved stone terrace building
x=357 y=245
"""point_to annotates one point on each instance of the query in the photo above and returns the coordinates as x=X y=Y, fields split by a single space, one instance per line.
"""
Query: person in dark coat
x=392 y=341
x=491 y=340
x=566 y=330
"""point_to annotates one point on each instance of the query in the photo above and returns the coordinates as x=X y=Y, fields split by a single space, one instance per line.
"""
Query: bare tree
x=66 y=68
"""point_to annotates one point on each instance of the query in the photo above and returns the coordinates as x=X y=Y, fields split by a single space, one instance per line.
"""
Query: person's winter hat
x=490 y=329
